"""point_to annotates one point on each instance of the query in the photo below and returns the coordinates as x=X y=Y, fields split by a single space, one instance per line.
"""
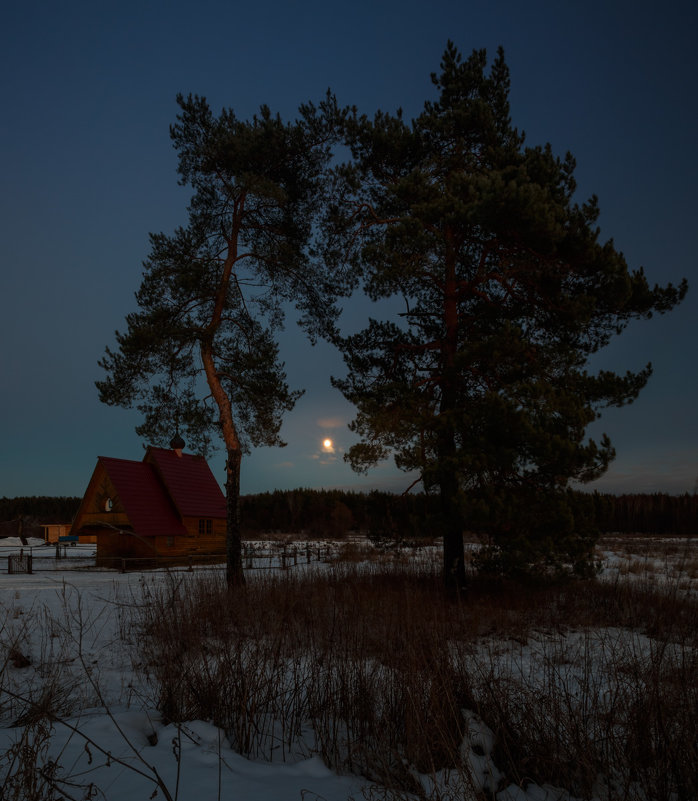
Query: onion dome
x=177 y=443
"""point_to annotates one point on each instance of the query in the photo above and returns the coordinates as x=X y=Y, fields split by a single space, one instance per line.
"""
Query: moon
x=327 y=443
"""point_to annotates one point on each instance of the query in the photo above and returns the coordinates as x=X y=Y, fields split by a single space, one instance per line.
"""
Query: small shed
x=57 y=532
x=168 y=505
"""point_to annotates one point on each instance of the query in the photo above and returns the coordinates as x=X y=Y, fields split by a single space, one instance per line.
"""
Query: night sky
x=88 y=94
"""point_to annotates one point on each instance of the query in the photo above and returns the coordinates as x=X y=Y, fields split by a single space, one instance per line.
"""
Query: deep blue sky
x=88 y=93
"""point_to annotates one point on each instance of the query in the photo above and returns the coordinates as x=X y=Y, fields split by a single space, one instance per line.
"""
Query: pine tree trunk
x=454 y=553
x=233 y=541
x=452 y=523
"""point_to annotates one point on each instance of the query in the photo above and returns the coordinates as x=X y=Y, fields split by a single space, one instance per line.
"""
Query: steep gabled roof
x=189 y=482
x=144 y=498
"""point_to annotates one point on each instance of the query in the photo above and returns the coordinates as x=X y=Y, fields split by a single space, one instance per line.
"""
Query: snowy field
x=66 y=633
x=68 y=626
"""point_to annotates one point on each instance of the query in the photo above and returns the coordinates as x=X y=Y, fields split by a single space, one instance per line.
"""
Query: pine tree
x=200 y=354
x=482 y=382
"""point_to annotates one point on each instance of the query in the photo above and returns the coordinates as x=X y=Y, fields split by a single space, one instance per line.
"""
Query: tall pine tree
x=200 y=353
x=482 y=382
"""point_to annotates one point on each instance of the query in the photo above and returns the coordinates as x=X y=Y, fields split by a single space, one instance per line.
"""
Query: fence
x=43 y=558
x=252 y=558
x=126 y=564
x=19 y=563
x=255 y=557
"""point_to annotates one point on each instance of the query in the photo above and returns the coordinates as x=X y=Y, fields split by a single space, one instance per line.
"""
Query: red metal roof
x=189 y=482
x=144 y=497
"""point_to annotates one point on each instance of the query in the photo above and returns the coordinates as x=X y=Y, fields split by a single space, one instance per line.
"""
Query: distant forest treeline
x=40 y=508
x=322 y=513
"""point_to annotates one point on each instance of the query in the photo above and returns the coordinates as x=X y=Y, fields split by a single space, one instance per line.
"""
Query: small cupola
x=177 y=444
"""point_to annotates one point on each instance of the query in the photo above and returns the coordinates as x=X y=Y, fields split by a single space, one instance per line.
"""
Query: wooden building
x=58 y=532
x=169 y=505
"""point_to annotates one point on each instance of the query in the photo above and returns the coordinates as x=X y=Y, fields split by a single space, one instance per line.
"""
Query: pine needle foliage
x=201 y=353
x=482 y=383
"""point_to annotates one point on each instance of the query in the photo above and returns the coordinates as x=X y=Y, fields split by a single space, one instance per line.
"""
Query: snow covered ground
x=69 y=627
x=66 y=629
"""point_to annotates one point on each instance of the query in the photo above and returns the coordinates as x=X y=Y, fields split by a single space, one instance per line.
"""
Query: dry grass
x=31 y=696
x=673 y=558
x=373 y=667
x=591 y=686
x=48 y=672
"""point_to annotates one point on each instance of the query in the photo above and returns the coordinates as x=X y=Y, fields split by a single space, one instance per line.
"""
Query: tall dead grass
x=48 y=672
x=588 y=686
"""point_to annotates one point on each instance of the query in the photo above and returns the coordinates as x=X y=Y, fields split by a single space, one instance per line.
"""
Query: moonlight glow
x=327 y=443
